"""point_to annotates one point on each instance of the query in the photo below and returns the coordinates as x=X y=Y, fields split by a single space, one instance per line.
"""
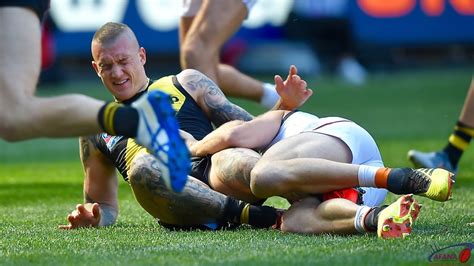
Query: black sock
x=232 y=210
x=372 y=218
x=458 y=142
x=236 y=211
x=118 y=119
x=396 y=180
x=262 y=216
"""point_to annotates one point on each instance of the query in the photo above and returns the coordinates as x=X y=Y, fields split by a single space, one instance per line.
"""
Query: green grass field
x=41 y=182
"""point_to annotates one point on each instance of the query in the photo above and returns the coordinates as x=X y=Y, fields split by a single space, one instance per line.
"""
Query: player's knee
x=142 y=177
x=9 y=127
x=191 y=55
x=134 y=177
x=17 y=116
x=262 y=183
x=196 y=52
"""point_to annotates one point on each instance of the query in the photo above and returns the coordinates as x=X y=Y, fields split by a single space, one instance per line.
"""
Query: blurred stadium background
x=419 y=55
x=384 y=35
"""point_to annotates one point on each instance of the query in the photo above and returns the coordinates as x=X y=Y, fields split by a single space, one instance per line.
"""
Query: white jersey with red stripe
x=297 y=122
x=361 y=144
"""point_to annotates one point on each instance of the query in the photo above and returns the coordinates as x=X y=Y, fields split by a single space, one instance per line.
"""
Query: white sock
x=359 y=219
x=270 y=96
x=366 y=175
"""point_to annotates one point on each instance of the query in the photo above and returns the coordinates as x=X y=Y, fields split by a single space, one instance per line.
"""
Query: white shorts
x=191 y=7
x=363 y=148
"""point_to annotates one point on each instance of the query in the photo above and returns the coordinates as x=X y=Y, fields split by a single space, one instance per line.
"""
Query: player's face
x=120 y=65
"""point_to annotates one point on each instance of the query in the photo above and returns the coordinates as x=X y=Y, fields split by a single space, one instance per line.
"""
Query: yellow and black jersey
x=191 y=117
x=121 y=150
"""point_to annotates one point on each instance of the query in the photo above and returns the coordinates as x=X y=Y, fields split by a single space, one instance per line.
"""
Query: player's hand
x=293 y=91
x=188 y=138
x=83 y=216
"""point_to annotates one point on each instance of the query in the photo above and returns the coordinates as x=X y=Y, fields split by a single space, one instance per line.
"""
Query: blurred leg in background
x=327 y=28
x=448 y=158
x=204 y=28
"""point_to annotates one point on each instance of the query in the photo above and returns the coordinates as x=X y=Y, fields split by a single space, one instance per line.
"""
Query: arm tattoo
x=221 y=109
x=84 y=143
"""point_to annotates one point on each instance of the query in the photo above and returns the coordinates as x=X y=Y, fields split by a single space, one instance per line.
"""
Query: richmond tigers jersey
x=121 y=150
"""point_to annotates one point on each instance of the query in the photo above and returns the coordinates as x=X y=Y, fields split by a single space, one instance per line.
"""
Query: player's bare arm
x=293 y=92
x=212 y=100
x=100 y=206
x=253 y=134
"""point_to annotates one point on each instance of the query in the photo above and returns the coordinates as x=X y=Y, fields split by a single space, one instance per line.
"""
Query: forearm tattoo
x=196 y=204
x=222 y=110
x=84 y=143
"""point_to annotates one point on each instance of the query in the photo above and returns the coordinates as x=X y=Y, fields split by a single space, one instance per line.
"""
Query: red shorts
x=351 y=194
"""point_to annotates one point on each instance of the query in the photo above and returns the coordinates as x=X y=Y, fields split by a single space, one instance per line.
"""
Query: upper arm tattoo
x=221 y=109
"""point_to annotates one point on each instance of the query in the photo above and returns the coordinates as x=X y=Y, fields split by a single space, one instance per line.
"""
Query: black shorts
x=38 y=6
x=200 y=168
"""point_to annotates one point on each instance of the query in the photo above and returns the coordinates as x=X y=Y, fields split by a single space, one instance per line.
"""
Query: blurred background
x=348 y=40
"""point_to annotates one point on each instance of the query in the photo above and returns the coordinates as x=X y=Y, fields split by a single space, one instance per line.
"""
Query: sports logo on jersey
x=110 y=140
x=166 y=85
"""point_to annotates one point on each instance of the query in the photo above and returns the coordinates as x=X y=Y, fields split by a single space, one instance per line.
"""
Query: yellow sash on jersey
x=164 y=84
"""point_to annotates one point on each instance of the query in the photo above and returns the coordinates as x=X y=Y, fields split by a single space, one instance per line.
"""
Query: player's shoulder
x=161 y=82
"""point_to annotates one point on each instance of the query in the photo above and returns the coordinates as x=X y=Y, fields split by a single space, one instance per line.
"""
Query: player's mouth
x=121 y=83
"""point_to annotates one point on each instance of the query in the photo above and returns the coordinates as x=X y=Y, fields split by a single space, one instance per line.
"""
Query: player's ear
x=96 y=68
x=142 y=54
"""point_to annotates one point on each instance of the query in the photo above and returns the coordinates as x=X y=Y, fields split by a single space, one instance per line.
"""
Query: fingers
x=65 y=227
x=303 y=83
x=70 y=219
x=295 y=78
x=81 y=209
x=95 y=210
x=279 y=84
x=293 y=70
